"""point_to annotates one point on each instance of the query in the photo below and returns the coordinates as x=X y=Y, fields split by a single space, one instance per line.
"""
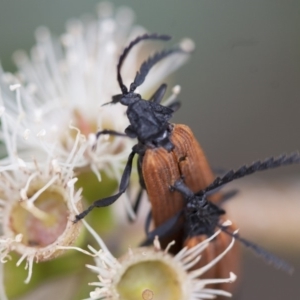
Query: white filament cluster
x=50 y=111
x=110 y=270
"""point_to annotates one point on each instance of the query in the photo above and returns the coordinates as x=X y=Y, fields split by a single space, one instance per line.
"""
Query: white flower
x=5 y=245
x=50 y=111
x=38 y=204
x=60 y=90
x=152 y=273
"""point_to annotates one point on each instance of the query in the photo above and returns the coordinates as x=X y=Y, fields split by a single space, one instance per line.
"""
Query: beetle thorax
x=148 y=122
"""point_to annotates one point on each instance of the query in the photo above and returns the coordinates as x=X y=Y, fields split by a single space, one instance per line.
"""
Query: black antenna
x=269 y=163
x=148 y=64
x=259 y=251
x=144 y=37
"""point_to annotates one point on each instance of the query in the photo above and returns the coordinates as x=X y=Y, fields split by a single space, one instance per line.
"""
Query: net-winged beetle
x=165 y=151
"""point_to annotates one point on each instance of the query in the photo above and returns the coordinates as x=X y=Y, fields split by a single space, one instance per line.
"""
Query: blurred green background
x=240 y=90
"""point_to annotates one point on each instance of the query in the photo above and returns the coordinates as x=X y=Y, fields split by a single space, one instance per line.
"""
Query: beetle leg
x=110 y=200
x=136 y=204
x=159 y=94
x=110 y=132
x=138 y=199
x=148 y=222
x=175 y=105
x=162 y=230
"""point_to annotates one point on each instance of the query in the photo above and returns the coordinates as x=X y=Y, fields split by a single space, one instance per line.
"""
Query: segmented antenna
x=144 y=37
x=264 y=254
x=269 y=163
x=148 y=64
